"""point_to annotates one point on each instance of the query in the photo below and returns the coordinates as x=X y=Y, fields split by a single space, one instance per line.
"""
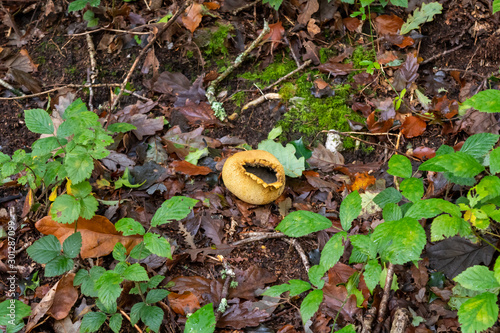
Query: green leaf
x=400 y=3
x=388 y=195
x=432 y=207
x=21 y=310
x=152 y=316
x=135 y=312
x=350 y=209
x=156 y=295
x=274 y=133
x=135 y=272
x=65 y=209
x=273 y=3
x=392 y=212
x=121 y=127
x=155 y=281
x=496 y=6
x=332 y=251
x=459 y=164
x=80 y=4
x=157 y=245
x=78 y=164
x=286 y=155
x=45 y=249
x=301 y=150
x=81 y=190
x=202 y=321
x=412 y=189
x=496 y=269
x=478 y=145
x=478 y=313
x=302 y=222
x=495 y=159
x=124 y=180
x=297 y=287
x=46 y=145
x=484 y=101
x=276 y=291
x=477 y=278
x=108 y=287
x=38 y=121
x=372 y=274
x=445 y=226
x=72 y=245
x=420 y=16
x=400 y=166
x=174 y=209
x=119 y=252
x=310 y=305
x=400 y=241
x=139 y=251
x=194 y=156
x=92 y=321
x=120 y=268
x=59 y=265
x=365 y=245
x=115 y=322
x=89 y=206
x=316 y=274
x=129 y=226
x=347 y=329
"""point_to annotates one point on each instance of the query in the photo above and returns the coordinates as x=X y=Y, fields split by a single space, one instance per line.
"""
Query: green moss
x=325 y=54
x=288 y=90
x=216 y=44
x=189 y=54
x=360 y=54
x=279 y=68
x=238 y=98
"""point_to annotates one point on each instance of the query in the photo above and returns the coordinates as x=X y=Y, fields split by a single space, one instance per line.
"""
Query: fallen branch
x=62 y=87
x=259 y=236
x=92 y=72
x=385 y=298
x=301 y=252
x=261 y=99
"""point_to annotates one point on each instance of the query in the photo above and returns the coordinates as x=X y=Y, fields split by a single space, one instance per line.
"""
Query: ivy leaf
x=310 y=304
x=286 y=155
x=156 y=295
x=478 y=313
x=65 y=209
x=129 y=227
x=174 y=209
x=332 y=251
x=59 y=265
x=152 y=316
x=350 y=209
x=92 y=321
x=115 y=322
x=477 y=278
x=45 y=249
x=202 y=321
x=157 y=245
x=412 y=189
x=78 y=164
x=372 y=274
x=135 y=272
x=400 y=166
x=420 y=16
x=302 y=222
x=400 y=241
x=38 y=121
x=72 y=245
x=445 y=226
x=108 y=287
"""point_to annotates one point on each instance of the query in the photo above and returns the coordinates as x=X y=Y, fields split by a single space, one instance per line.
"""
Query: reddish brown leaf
x=64 y=298
x=275 y=34
x=444 y=106
x=320 y=184
x=311 y=7
x=242 y=315
x=364 y=108
x=388 y=24
x=99 y=235
x=378 y=126
x=211 y=5
x=351 y=23
x=407 y=74
x=335 y=68
x=424 y=153
x=362 y=181
x=407 y=41
x=190 y=169
x=184 y=303
x=205 y=290
x=386 y=57
x=192 y=17
x=199 y=114
x=28 y=202
x=413 y=126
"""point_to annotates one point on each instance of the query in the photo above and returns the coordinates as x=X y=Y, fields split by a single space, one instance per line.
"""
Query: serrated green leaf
x=365 y=245
x=174 y=209
x=297 y=287
x=108 y=287
x=420 y=16
x=478 y=313
x=155 y=281
x=392 y=212
x=38 y=121
x=477 y=278
x=156 y=295
x=316 y=274
x=59 y=265
x=129 y=226
x=496 y=269
x=350 y=209
x=495 y=159
x=202 y=321
x=286 y=155
x=78 y=165
x=152 y=316
x=400 y=3
x=46 y=145
x=21 y=310
x=488 y=188
x=445 y=226
x=459 y=164
x=121 y=127
x=302 y=222
x=372 y=274
x=496 y=6
x=65 y=209
x=332 y=251
x=157 y=245
x=81 y=190
x=432 y=207
x=140 y=251
x=484 y=101
x=400 y=241
x=310 y=305
x=89 y=206
x=80 y=277
x=388 y=195
x=80 y=4
x=120 y=268
x=72 y=245
x=119 y=252
x=347 y=329
x=412 y=189
x=478 y=145
x=92 y=321
x=276 y=291
x=135 y=272
x=45 y=249
x=135 y=312
x=400 y=166
x=273 y=3
x=115 y=322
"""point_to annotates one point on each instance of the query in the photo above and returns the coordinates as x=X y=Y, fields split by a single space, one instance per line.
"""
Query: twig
x=401 y=320
x=368 y=320
x=62 y=87
x=385 y=297
x=248 y=5
x=462 y=71
x=11 y=88
x=441 y=54
x=22 y=248
x=128 y=318
x=143 y=52
x=297 y=61
x=217 y=106
x=299 y=249
x=298 y=69
x=93 y=70
x=261 y=99
x=259 y=236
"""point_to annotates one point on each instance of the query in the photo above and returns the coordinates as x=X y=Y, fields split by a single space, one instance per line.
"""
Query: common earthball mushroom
x=254 y=176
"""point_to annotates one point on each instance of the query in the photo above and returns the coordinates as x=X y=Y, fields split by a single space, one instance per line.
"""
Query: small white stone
x=334 y=142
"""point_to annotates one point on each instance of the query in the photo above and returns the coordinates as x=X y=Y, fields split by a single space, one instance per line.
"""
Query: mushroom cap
x=246 y=185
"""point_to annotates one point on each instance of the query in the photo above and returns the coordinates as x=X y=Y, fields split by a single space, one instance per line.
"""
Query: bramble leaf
x=302 y=222
x=72 y=245
x=388 y=195
x=92 y=321
x=202 y=321
x=412 y=189
x=478 y=313
x=174 y=209
x=350 y=209
x=477 y=278
x=445 y=226
x=372 y=274
x=157 y=245
x=310 y=305
x=45 y=249
x=400 y=166
x=332 y=251
x=129 y=226
x=65 y=209
x=38 y=121
x=484 y=101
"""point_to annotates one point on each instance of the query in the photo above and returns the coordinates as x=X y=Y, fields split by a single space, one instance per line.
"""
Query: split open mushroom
x=254 y=176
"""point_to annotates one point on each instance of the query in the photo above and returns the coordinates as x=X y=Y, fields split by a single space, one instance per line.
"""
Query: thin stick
x=128 y=318
x=261 y=99
x=441 y=54
x=299 y=249
x=298 y=69
x=143 y=52
x=385 y=297
x=261 y=236
x=93 y=71
x=62 y=87
x=463 y=71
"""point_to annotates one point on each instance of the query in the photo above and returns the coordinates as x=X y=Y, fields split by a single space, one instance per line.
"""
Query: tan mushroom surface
x=254 y=176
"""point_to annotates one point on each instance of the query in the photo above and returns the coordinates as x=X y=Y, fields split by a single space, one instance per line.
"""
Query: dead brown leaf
x=199 y=114
x=335 y=68
x=324 y=159
x=181 y=143
x=146 y=126
x=151 y=61
x=98 y=234
x=192 y=17
x=351 y=23
x=205 y=290
x=241 y=315
x=362 y=181
x=413 y=126
x=249 y=281
x=377 y=125
x=184 y=303
x=275 y=34
x=310 y=8
x=190 y=169
x=388 y=24
x=424 y=153
x=65 y=297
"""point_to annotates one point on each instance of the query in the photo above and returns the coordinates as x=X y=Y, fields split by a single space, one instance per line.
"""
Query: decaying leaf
x=190 y=169
x=362 y=181
x=388 y=24
x=424 y=153
x=192 y=17
x=275 y=34
x=324 y=159
x=184 y=303
x=407 y=74
x=413 y=126
x=64 y=298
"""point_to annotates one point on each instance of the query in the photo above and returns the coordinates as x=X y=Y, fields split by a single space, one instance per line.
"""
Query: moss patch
x=279 y=68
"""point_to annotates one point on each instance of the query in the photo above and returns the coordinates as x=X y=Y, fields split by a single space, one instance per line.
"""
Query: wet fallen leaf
x=205 y=290
x=150 y=62
x=424 y=153
x=310 y=8
x=190 y=169
x=192 y=17
x=241 y=315
x=406 y=74
x=388 y=24
x=413 y=126
x=146 y=126
x=249 y=281
x=445 y=107
x=99 y=235
x=386 y=57
x=184 y=303
x=64 y=298
x=351 y=23
x=199 y=114
x=378 y=126
x=335 y=68
x=275 y=34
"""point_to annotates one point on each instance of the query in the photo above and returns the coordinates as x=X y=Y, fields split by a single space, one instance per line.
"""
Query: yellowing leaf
x=53 y=194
